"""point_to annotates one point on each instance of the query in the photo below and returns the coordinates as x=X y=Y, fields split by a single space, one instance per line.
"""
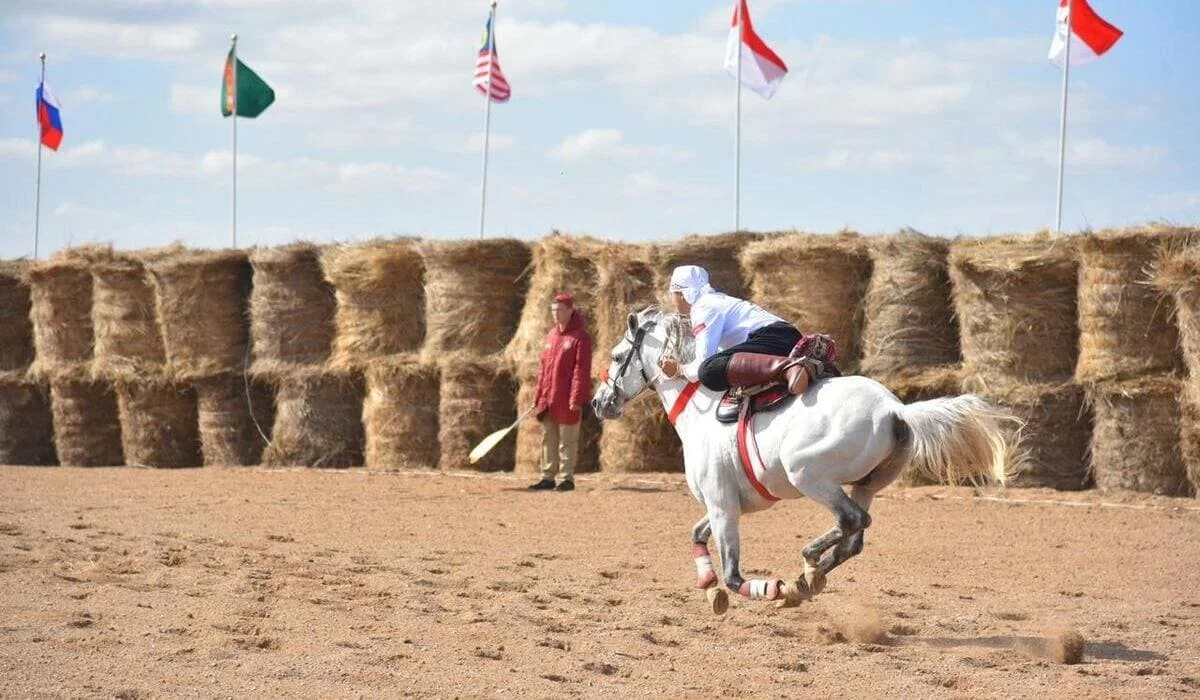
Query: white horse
x=842 y=430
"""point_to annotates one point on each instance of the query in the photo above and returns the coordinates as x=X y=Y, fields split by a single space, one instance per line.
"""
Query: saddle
x=819 y=352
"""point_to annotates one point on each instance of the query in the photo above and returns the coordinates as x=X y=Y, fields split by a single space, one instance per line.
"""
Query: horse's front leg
x=725 y=530
x=705 y=575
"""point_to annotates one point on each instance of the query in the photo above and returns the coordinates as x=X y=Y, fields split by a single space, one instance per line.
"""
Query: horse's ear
x=633 y=323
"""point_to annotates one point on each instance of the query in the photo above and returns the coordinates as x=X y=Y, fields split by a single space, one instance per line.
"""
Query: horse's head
x=651 y=336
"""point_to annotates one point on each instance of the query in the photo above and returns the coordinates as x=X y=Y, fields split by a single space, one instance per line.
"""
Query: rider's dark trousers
x=776 y=339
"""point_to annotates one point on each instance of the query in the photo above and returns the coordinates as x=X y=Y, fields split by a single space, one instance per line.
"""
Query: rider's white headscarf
x=692 y=281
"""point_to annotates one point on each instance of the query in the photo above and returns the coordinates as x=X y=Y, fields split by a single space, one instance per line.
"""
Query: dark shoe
x=755 y=369
x=543 y=485
x=566 y=485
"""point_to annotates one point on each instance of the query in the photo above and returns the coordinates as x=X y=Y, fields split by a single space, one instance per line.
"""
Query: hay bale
x=529 y=437
x=1053 y=446
x=908 y=320
x=477 y=397
x=16 y=331
x=379 y=287
x=236 y=415
x=718 y=254
x=1189 y=432
x=474 y=291
x=201 y=300
x=128 y=338
x=816 y=283
x=291 y=309
x=87 y=432
x=400 y=415
x=159 y=425
x=1015 y=299
x=625 y=283
x=560 y=264
x=26 y=426
x=1136 y=439
x=1177 y=272
x=1125 y=326
x=318 y=419
x=641 y=440
x=61 y=310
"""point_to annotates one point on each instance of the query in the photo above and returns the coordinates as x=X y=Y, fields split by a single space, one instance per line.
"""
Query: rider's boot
x=754 y=368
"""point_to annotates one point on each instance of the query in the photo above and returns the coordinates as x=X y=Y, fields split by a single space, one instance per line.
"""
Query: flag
x=762 y=70
x=489 y=61
x=49 y=118
x=1091 y=36
x=253 y=93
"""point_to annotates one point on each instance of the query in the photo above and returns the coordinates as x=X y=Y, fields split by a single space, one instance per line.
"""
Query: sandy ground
x=139 y=583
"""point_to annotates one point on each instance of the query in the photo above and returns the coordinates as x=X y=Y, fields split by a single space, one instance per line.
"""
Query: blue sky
x=941 y=115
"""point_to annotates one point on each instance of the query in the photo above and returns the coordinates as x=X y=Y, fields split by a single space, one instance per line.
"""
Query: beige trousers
x=560 y=447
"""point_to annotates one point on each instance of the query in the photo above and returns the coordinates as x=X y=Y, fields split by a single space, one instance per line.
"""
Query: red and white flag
x=489 y=79
x=762 y=69
x=1091 y=37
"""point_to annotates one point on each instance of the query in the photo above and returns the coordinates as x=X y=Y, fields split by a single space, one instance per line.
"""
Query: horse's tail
x=959 y=439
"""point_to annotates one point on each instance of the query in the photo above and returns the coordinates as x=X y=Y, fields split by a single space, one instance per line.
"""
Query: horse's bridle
x=635 y=350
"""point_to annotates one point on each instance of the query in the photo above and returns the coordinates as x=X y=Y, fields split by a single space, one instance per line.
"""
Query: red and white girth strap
x=748 y=454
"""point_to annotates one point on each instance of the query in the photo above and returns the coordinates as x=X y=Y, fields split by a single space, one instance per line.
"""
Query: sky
x=939 y=115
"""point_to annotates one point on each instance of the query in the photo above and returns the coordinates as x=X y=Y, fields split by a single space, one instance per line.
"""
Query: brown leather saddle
x=820 y=354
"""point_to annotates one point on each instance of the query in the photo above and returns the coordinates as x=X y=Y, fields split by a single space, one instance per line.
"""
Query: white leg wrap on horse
x=704 y=566
x=759 y=589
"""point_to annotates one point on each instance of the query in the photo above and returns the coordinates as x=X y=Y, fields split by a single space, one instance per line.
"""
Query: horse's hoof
x=718 y=599
x=815 y=578
x=794 y=593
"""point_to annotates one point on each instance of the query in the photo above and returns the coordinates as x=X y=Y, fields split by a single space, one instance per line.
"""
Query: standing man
x=563 y=387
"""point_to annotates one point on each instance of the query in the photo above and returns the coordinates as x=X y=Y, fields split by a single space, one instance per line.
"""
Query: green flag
x=253 y=93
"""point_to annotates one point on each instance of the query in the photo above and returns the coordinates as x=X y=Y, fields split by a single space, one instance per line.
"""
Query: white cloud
x=87 y=94
x=496 y=142
x=7 y=76
x=609 y=144
x=649 y=185
x=121 y=39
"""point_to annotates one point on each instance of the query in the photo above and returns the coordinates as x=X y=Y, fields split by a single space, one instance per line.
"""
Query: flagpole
x=487 y=116
x=1062 y=134
x=37 y=198
x=737 y=128
x=234 y=68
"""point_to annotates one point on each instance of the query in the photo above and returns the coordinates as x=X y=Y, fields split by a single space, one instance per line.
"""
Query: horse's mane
x=679 y=332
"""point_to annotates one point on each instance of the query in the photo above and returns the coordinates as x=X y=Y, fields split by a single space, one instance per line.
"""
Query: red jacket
x=565 y=372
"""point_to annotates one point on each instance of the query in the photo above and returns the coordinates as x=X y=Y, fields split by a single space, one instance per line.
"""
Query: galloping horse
x=842 y=430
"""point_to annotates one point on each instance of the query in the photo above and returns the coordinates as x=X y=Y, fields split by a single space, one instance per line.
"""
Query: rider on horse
x=737 y=342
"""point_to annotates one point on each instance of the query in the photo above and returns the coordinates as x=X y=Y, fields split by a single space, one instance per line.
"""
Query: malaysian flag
x=488 y=66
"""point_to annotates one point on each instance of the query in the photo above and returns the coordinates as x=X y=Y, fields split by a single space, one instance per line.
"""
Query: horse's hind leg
x=852 y=519
x=849 y=546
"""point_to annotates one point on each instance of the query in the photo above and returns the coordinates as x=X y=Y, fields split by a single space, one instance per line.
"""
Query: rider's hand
x=670 y=368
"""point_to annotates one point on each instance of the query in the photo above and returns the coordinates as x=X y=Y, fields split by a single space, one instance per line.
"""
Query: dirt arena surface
x=238 y=583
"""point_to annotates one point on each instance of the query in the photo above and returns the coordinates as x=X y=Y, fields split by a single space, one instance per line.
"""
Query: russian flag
x=48 y=117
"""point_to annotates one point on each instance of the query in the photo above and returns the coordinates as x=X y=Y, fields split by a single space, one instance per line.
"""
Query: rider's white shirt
x=719 y=322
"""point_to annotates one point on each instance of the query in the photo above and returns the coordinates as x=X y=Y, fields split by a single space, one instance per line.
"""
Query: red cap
x=565 y=299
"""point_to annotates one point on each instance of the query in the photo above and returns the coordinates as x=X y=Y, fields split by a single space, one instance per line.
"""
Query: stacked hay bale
x=473 y=298
x=641 y=440
x=1015 y=298
x=201 y=302
x=818 y=283
x=400 y=414
x=26 y=430
x=1178 y=274
x=86 y=428
x=158 y=414
x=1129 y=360
x=318 y=409
x=379 y=324
x=910 y=334
x=560 y=264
